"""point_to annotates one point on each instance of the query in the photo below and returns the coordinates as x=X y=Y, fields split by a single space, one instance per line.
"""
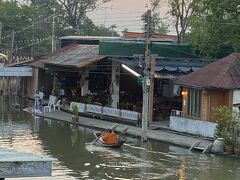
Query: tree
x=90 y=29
x=182 y=11
x=157 y=24
x=16 y=19
x=216 y=25
x=72 y=12
x=32 y=23
x=112 y=27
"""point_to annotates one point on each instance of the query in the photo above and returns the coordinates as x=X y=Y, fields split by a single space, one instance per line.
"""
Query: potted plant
x=237 y=139
x=237 y=147
x=56 y=91
x=228 y=141
x=75 y=116
x=89 y=100
x=226 y=126
x=109 y=101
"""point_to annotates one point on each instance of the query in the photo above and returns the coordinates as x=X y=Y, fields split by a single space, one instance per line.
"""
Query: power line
x=125 y=13
x=122 y=17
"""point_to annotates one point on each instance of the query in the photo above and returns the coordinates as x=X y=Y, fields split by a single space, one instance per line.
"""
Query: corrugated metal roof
x=76 y=57
x=39 y=61
x=22 y=63
x=89 y=38
x=223 y=74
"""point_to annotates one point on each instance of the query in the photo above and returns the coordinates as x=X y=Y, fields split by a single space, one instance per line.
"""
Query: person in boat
x=110 y=137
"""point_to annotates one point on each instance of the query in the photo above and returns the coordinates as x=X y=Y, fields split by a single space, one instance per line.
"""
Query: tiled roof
x=154 y=35
x=223 y=74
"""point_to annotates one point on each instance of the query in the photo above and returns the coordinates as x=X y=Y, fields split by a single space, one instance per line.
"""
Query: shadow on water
x=78 y=158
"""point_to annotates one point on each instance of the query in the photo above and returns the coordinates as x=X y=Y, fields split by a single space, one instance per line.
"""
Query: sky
x=125 y=14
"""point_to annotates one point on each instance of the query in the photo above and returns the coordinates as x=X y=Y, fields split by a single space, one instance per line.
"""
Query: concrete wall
x=236 y=98
x=196 y=127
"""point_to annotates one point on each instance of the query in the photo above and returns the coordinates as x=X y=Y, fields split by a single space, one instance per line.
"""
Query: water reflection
x=78 y=158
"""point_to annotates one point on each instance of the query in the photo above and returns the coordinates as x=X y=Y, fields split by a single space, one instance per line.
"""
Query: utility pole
x=53 y=29
x=33 y=37
x=105 y=16
x=0 y=33
x=147 y=80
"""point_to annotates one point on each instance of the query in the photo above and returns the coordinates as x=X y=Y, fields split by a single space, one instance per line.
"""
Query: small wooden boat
x=99 y=142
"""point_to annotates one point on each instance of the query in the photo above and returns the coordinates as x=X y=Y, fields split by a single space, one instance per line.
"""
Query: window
x=194 y=103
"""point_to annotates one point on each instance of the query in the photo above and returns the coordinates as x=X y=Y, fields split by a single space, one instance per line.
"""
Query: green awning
x=134 y=48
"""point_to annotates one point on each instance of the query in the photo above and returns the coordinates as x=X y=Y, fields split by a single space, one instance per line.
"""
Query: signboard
x=15 y=71
x=140 y=80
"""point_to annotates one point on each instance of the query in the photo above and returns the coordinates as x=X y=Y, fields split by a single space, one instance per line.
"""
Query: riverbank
x=158 y=135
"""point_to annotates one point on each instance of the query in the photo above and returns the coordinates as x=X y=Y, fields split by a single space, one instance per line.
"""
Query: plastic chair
x=51 y=102
x=47 y=108
x=57 y=105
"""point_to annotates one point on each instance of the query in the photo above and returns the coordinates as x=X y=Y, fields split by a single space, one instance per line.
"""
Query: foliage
x=157 y=24
x=182 y=11
x=89 y=100
x=69 y=13
x=32 y=23
x=226 y=117
x=14 y=18
x=56 y=91
x=109 y=100
x=237 y=142
x=215 y=25
x=228 y=137
x=237 y=134
x=75 y=109
x=88 y=28
x=227 y=123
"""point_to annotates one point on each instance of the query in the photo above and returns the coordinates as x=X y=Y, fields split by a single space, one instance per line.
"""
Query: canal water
x=77 y=158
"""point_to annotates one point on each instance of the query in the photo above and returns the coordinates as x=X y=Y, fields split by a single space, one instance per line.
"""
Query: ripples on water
x=77 y=158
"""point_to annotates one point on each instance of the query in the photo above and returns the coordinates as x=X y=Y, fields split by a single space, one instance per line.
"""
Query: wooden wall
x=185 y=102
x=205 y=107
x=211 y=99
x=218 y=98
